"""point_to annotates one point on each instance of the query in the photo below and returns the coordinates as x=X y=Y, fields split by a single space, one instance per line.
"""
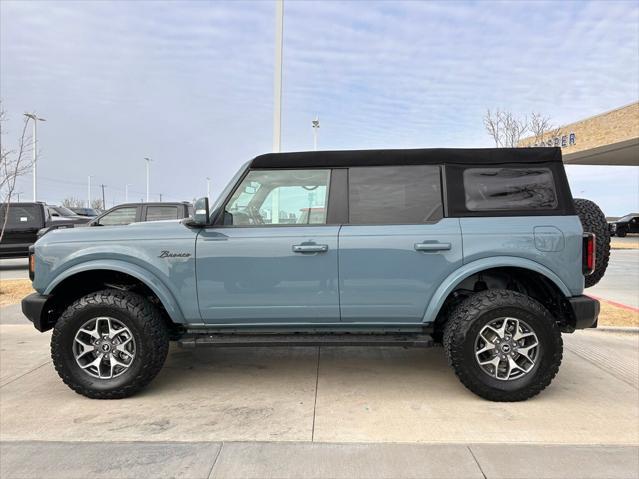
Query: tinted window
x=279 y=197
x=22 y=216
x=394 y=195
x=119 y=216
x=509 y=189
x=157 y=213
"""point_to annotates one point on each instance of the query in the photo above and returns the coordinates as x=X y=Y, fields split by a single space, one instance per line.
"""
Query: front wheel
x=109 y=344
x=503 y=345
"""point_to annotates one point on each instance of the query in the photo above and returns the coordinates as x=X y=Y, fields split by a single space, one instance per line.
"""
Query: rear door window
x=495 y=189
x=158 y=213
x=395 y=194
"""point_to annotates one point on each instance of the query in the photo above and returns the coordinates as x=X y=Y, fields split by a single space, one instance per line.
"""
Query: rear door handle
x=432 y=246
x=310 y=248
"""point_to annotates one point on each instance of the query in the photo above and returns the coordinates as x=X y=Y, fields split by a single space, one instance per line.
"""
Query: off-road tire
x=467 y=320
x=594 y=221
x=143 y=320
x=621 y=233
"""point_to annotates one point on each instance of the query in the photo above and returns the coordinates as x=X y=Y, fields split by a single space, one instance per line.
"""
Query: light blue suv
x=482 y=250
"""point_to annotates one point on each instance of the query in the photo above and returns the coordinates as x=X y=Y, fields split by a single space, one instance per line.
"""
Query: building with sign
x=610 y=138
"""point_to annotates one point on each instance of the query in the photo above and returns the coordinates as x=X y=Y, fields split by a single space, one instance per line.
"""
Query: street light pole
x=34 y=145
x=277 y=83
x=316 y=126
x=148 y=165
x=208 y=188
x=126 y=193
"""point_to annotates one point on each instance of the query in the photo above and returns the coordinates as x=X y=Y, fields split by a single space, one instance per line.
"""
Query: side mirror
x=201 y=211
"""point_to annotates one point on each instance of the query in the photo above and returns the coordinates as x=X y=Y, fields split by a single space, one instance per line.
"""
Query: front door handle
x=310 y=248
x=432 y=246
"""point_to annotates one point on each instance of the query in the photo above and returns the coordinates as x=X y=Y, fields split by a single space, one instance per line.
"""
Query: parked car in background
x=139 y=212
x=62 y=213
x=625 y=225
x=24 y=222
x=89 y=212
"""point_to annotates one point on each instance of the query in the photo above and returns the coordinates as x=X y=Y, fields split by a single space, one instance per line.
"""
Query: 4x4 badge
x=168 y=254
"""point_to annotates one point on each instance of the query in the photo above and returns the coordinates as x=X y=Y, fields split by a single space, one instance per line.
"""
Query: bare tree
x=541 y=128
x=505 y=128
x=13 y=164
x=73 y=202
x=97 y=204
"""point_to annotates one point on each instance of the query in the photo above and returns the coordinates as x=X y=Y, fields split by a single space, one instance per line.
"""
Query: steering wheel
x=255 y=215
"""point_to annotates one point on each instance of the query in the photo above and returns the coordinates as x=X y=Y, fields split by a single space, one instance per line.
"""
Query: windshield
x=62 y=211
x=230 y=185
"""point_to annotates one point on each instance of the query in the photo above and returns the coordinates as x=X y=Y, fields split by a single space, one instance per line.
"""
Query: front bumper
x=585 y=311
x=35 y=308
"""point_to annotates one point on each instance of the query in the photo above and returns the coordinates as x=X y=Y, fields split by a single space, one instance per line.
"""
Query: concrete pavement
x=621 y=281
x=17 y=268
x=295 y=460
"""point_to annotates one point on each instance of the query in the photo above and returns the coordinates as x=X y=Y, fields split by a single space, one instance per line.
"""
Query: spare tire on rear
x=594 y=221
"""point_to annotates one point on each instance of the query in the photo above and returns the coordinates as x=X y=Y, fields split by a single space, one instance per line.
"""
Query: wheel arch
x=103 y=270
x=457 y=278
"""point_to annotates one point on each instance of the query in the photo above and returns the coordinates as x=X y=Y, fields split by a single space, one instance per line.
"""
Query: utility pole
x=89 y=192
x=103 y=201
x=34 y=145
x=160 y=197
x=316 y=126
x=277 y=83
x=148 y=166
x=126 y=193
x=208 y=188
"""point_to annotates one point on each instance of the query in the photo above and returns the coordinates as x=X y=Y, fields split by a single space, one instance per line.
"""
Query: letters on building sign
x=562 y=141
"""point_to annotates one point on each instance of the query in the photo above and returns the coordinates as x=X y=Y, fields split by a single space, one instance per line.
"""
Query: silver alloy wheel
x=104 y=347
x=506 y=348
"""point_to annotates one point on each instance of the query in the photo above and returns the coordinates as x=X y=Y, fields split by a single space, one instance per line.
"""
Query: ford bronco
x=481 y=250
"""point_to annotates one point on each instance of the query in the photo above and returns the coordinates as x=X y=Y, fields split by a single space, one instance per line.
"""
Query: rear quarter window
x=504 y=189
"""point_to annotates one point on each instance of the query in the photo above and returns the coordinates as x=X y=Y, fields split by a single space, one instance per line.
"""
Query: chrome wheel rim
x=507 y=349
x=104 y=348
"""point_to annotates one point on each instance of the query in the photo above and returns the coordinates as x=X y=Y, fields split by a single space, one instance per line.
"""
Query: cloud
x=190 y=83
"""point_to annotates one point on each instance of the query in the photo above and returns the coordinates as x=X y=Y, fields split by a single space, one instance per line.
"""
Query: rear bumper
x=585 y=311
x=34 y=307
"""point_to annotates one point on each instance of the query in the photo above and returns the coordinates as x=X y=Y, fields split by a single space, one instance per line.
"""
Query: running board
x=303 y=339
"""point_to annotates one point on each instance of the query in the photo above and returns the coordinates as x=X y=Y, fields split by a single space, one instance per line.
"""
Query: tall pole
x=34 y=145
x=89 y=193
x=277 y=88
x=148 y=166
x=126 y=193
x=316 y=126
x=160 y=197
x=208 y=188
x=103 y=201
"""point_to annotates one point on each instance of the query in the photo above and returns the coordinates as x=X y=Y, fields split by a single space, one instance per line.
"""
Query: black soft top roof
x=427 y=156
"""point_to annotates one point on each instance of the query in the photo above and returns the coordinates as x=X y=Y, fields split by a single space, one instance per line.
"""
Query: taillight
x=589 y=253
x=31 y=263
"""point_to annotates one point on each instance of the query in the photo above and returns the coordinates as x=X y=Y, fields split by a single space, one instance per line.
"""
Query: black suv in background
x=138 y=212
x=23 y=224
x=625 y=225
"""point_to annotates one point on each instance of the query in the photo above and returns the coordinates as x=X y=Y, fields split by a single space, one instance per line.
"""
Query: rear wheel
x=621 y=232
x=594 y=221
x=503 y=345
x=109 y=344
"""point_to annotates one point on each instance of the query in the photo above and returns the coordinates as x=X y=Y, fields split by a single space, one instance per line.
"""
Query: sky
x=190 y=84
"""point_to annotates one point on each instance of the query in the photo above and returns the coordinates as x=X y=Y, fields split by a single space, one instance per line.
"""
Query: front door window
x=279 y=197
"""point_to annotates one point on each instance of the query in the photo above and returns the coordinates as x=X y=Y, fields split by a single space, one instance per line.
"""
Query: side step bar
x=303 y=339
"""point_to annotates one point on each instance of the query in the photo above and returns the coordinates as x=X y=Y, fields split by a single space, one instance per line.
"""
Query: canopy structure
x=622 y=153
